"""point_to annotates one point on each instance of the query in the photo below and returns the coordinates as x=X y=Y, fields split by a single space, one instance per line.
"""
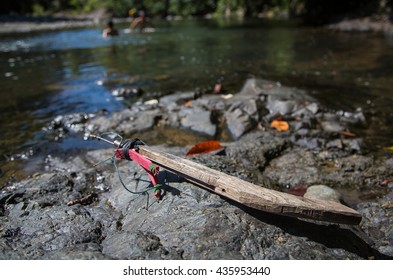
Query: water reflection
x=51 y=73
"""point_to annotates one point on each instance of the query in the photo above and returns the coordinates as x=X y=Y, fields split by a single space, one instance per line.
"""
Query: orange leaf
x=347 y=133
x=204 y=148
x=187 y=104
x=280 y=125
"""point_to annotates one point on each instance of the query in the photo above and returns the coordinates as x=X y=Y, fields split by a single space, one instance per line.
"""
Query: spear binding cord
x=125 y=145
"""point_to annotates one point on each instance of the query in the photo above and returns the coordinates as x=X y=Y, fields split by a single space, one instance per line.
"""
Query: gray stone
x=309 y=143
x=322 y=192
x=335 y=144
x=141 y=121
x=176 y=99
x=280 y=107
x=255 y=87
x=331 y=126
x=313 y=108
x=356 y=117
x=353 y=145
x=198 y=120
x=238 y=122
x=293 y=168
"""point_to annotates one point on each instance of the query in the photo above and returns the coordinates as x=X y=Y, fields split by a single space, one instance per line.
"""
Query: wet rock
x=352 y=117
x=127 y=121
x=296 y=167
x=238 y=122
x=188 y=223
x=89 y=251
x=264 y=88
x=313 y=108
x=137 y=245
x=308 y=111
x=198 y=120
x=335 y=144
x=309 y=143
x=353 y=145
x=141 y=121
x=61 y=125
x=251 y=107
x=255 y=87
x=212 y=103
x=50 y=229
x=173 y=100
x=354 y=163
x=280 y=107
x=331 y=126
x=305 y=122
x=127 y=92
x=322 y=192
x=377 y=221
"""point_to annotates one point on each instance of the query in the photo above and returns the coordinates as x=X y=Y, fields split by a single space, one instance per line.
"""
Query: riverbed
x=50 y=73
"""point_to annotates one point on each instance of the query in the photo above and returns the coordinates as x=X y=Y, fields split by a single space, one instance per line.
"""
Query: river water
x=59 y=72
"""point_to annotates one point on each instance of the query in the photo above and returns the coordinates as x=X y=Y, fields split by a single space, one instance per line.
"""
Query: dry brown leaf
x=204 y=148
x=347 y=133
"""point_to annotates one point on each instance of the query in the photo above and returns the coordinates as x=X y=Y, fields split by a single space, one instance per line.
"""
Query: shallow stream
x=47 y=74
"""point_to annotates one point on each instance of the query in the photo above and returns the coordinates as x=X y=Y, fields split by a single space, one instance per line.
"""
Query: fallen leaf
x=187 y=104
x=298 y=190
x=347 y=133
x=386 y=182
x=389 y=148
x=280 y=125
x=204 y=148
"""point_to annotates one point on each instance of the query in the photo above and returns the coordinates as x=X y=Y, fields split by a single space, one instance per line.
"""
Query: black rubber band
x=128 y=144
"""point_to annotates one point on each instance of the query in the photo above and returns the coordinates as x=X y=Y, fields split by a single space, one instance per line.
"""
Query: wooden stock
x=251 y=195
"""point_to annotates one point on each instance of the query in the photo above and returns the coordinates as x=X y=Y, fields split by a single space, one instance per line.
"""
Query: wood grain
x=252 y=195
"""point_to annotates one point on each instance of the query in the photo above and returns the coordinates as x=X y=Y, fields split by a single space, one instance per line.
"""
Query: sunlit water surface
x=53 y=73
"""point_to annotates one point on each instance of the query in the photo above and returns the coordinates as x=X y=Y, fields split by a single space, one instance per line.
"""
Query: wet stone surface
x=73 y=210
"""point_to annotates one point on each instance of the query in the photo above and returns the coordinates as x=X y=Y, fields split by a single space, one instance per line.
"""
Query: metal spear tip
x=89 y=136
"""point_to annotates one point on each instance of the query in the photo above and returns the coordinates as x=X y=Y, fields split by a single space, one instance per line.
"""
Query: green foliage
x=119 y=8
x=38 y=10
x=229 y=7
x=189 y=7
x=155 y=7
x=85 y=5
x=314 y=11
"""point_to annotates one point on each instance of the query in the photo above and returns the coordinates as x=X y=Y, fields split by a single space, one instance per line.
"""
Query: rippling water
x=50 y=73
